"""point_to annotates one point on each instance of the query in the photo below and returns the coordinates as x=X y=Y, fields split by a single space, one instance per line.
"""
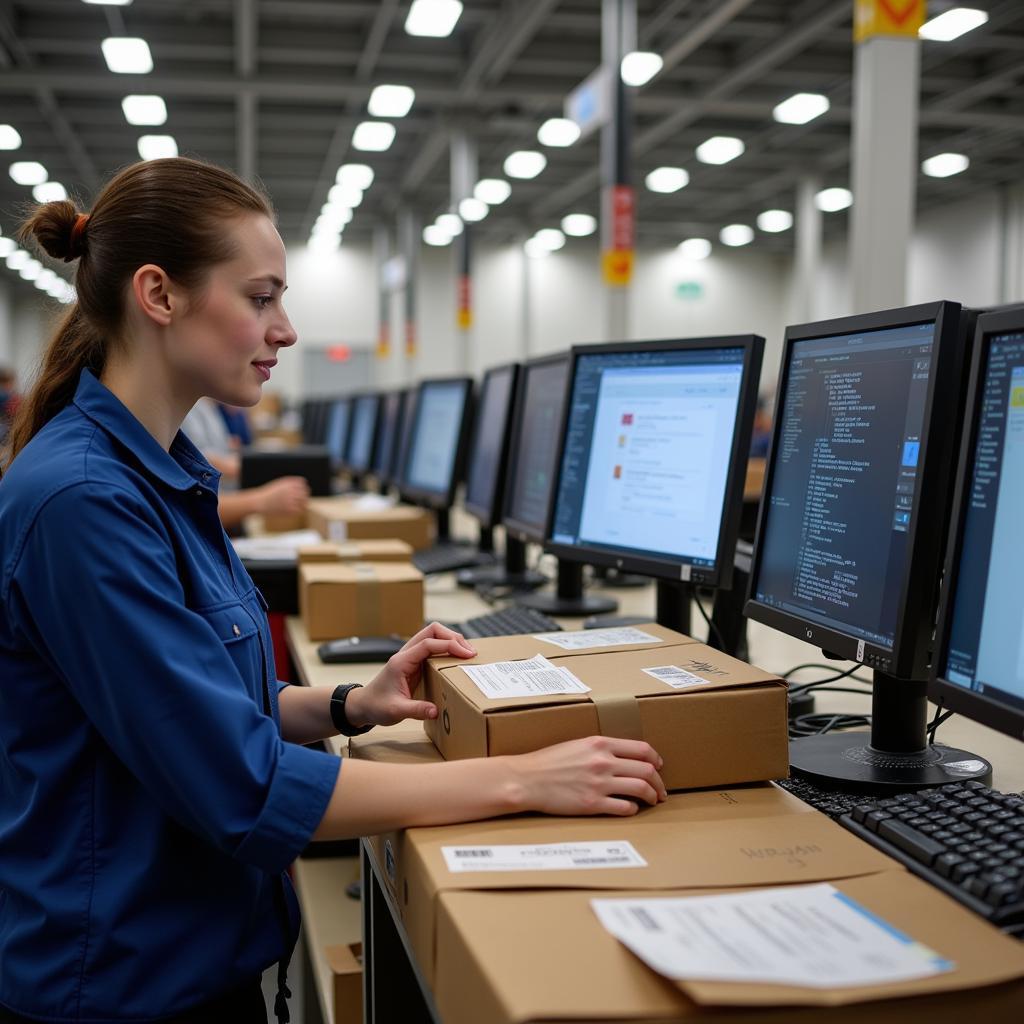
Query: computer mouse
x=349 y=649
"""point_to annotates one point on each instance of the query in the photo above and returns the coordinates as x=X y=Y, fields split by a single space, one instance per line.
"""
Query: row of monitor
x=896 y=465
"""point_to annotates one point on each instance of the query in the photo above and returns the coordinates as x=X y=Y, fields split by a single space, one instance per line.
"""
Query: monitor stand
x=672 y=610
x=895 y=755
x=616 y=578
x=569 y=598
x=513 y=574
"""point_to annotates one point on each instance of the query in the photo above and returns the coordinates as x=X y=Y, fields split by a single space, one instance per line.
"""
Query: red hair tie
x=77 y=230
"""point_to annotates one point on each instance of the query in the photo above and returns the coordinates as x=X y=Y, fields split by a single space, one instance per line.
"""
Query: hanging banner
x=617 y=258
x=900 y=18
x=465 y=314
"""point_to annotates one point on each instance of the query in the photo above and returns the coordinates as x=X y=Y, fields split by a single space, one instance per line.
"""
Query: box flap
x=313 y=573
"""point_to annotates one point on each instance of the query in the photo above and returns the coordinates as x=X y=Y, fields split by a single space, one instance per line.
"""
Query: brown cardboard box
x=341 y=519
x=360 y=599
x=357 y=551
x=730 y=728
x=551 y=961
x=346 y=964
x=284 y=523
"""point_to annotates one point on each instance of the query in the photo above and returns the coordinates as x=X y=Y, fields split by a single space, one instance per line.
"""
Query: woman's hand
x=596 y=775
x=388 y=698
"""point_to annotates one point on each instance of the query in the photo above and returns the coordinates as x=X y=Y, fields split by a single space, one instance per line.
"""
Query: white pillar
x=808 y=249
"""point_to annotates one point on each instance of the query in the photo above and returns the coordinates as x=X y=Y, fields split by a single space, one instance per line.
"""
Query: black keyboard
x=507 y=622
x=449 y=557
x=965 y=839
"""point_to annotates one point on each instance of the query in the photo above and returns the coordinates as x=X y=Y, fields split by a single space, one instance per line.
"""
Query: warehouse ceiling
x=275 y=88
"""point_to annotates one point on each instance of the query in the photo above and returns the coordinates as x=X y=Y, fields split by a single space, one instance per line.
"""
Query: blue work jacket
x=148 y=804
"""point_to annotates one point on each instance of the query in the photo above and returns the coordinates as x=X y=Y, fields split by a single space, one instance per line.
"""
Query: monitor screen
x=434 y=448
x=406 y=423
x=337 y=429
x=649 y=442
x=534 y=446
x=984 y=652
x=387 y=432
x=364 y=426
x=483 y=492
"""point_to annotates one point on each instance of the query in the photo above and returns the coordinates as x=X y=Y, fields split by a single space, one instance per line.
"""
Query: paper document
x=543 y=857
x=276 y=547
x=676 y=677
x=533 y=677
x=581 y=639
x=811 y=935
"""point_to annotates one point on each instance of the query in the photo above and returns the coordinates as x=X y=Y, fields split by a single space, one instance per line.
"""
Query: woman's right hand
x=596 y=775
x=286 y=496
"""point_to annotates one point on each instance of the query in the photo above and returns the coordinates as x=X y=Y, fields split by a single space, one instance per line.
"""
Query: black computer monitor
x=488 y=450
x=362 y=434
x=387 y=435
x=852 y=523
x=339 y=416
x=653 y=459
x=406 y=423
x=979 y=668
x=314 y=420
x=309 y=461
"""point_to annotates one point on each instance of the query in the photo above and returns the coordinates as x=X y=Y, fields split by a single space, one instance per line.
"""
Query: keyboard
x=449 y=557
x=965 y=839
x=507 y=622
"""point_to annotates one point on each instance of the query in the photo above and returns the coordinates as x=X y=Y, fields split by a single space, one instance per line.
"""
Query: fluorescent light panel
x=450 y=223
x=525 y=163
x=694 y=249
x=550 y=238
x=639 y=67
x=667 y=179
x=720 y=149
x=434 y=234
x=831 y=200
x=558 y=131
x=952 y=24
x=801 y=108
x=391 y=101
x=736 y=234
x=493 y=191
x=49 y=192
x=774 y=221
x=127 y=56
x=434 y=18
x=157 y=147
x=373 y=136
x=144 y=110
x=356 y=175
x=942 y=165
x=9 y=137
x=28 y=172
x=472 y=209
x=579 y=225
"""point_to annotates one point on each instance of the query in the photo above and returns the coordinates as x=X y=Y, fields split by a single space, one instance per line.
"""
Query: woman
x=154 y=784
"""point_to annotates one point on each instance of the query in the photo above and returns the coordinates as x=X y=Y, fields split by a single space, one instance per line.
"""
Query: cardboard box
x=342 y=519
x=284 y=523
x=728 y=724
x=551 y=961
x=360 y=599
x=357 y=551
x=346 y=965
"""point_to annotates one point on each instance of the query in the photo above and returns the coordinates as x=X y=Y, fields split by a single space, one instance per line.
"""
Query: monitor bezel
x=420 y=495
x=410 y=398
x=672 y=568
x=354 y=399
x=915 y=617
x=942 y=691
x=383 y=472
x=519 y=528
x=489 y=514
x=337 y=461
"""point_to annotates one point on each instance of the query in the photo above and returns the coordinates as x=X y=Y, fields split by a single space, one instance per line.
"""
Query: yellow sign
x=617 y=266
x=900 y=18
x=465 y=319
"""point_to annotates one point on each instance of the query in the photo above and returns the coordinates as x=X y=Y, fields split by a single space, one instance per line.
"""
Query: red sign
x=339 y=353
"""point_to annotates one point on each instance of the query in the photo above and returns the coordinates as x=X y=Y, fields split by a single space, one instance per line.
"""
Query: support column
x=808 y=249
x=618 y=232
x=526 y=305
x=884 y=149
x=409 y=246
x=463 y=178
x=381 y=255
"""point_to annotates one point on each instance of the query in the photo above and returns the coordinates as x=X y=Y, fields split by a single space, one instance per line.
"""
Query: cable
x=819 y=724
x=804 y=687
x=712 y=628
x=939 y=717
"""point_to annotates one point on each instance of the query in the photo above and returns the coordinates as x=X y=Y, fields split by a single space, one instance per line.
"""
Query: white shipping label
x=533 y=677
x=582 y=639
x=809 y=935
x=676 y=677
x=543 y=857
x=337 y=529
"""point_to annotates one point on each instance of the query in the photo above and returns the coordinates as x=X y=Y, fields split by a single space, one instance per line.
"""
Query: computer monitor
x=488 y=451
x=362 y=434
x=314 y=420
x=979 y=669
x=339 y=416
x=406 y=423
x=852 y=523
x=387 y=434
x=309 y=461
x=653 y=460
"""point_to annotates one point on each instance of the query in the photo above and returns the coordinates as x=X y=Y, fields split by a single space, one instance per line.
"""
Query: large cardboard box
x=341 y=519
x=726 y=725
x=360 y=599
x=346 y=965
x=552 y=961
x=357 y=551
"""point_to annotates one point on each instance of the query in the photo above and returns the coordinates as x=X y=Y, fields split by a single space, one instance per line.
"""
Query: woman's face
x=227 y=341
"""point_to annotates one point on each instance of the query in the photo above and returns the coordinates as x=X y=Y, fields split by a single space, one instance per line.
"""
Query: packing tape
x=618 y=716
x=367 y=599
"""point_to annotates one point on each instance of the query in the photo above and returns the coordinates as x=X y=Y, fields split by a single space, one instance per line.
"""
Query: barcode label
x=474 y=853
x=543 y=857
x=674 y=676
x=531 y=677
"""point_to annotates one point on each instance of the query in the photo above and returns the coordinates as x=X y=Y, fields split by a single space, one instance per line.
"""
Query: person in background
x=237 y=422
x=156 y=783
x=762 y=435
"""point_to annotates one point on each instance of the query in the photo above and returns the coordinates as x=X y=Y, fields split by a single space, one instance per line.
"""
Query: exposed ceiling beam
x=375 y=39
x=246 y=29
x=721 y=14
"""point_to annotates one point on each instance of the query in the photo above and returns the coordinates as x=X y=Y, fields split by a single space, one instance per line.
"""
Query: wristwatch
x=338 y=716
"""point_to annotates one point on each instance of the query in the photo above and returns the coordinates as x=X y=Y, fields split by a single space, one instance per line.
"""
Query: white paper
x=809 y=935
x=278 y=546
x=582 y=639
x=674 y=676
x=543 y=857
x=533 y=677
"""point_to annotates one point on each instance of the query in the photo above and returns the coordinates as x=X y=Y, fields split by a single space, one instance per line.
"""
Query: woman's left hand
x=388 y=699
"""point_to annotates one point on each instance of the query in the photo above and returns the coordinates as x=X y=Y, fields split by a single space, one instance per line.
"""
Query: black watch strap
x=338 y=716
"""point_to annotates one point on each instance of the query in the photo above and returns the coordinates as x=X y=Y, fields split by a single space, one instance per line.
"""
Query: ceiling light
x=17 y=259
x=535 y=249
x=31 y=270
x=49 y=192
x=7 y=246
x=46 y=278
x=324 y=243
x=373 y=136
x=667 y=179
x=28 y=172
x=942 y=165
x=434 y=234
x=109 y=3
x=952 y=24
x=127 y=56
x=558 y=131
x=473 y=209
x=579 y=225
x=356 y=175
x=525 y=163
x=147 y=110
x=830 y=200
x=550 y=238
x=435 y=18
x=55 y=288
x=9 y=137
x=801 y=108
x=450 y=223
x=391 y=101
x=775 y=220
x=334 y=216
x=492 y=190
x=343 y=194
x=639 y=67
x=157 y=147
x=694 y=249
x=720 y=149
x=736 y=234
